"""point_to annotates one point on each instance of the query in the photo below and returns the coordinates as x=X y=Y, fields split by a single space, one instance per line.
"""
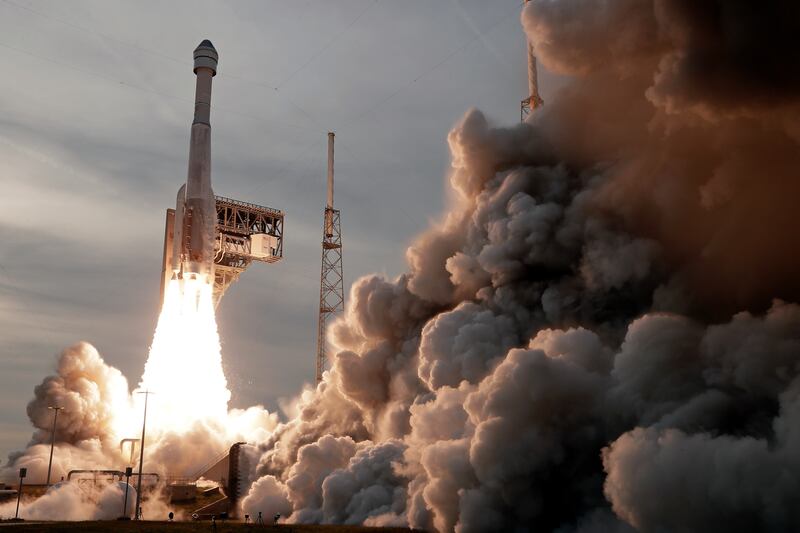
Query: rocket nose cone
x=206 y=56
x=206 y=44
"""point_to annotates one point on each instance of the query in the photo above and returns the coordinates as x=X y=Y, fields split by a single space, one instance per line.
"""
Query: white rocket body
x=195 y=209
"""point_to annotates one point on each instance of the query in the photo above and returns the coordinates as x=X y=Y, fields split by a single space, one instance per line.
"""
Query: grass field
x=180 y=527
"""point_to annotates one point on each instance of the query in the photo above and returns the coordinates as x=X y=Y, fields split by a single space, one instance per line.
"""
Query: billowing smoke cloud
x=89 y=391
x=73 y=502
x=98 y=412
x=92 y=395
x=598 y=334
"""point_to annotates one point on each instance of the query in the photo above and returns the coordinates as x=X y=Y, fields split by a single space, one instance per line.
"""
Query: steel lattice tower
x=331 y=286
x=529 y=104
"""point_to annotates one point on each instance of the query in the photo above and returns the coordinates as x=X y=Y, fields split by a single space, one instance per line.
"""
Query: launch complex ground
x=102 y=526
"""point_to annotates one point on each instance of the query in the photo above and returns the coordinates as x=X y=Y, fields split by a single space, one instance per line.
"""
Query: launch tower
x=331 y=286
x=533 y=101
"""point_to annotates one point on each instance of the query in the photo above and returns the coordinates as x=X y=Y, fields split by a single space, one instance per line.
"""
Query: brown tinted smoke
x=596 y=336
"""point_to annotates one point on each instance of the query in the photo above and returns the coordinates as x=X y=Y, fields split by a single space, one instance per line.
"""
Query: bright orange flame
x=184 y=368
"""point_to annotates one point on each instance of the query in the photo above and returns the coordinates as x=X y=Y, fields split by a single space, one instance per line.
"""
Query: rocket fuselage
x=195 y=210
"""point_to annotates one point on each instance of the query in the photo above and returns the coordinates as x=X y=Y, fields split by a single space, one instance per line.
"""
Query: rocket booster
x=195 y=209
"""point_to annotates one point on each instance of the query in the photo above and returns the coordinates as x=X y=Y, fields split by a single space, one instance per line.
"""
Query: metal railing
x=248 y=205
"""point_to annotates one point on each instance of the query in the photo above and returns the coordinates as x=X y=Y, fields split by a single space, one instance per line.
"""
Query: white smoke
x=74 y=501
x=99 y=411
x=91 y=393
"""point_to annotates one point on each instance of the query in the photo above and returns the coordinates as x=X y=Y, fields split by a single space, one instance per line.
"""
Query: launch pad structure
x=533 y=101
x=244 y=233
x=331 y=285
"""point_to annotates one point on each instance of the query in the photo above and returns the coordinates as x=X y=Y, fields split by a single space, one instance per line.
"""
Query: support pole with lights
x=52 y=440
x=137 y=514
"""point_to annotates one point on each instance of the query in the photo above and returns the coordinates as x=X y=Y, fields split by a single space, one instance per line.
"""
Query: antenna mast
x=533 y=101
x=331 y=286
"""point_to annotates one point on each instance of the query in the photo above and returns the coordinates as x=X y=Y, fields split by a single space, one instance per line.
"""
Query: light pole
x=147 y=394
x=52 y=440
x=22 y=473
x=128 y=473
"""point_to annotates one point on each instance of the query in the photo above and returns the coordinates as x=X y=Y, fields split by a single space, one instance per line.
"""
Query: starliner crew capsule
x=195 y=210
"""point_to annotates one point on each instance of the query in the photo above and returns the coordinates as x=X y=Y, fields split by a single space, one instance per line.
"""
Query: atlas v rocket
x=209 y=237
x=195 y=209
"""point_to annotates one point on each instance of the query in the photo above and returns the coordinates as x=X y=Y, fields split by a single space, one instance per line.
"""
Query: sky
x=96 y=101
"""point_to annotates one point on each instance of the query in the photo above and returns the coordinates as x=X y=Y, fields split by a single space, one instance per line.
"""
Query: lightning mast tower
x=331 y=286
x=533 y=101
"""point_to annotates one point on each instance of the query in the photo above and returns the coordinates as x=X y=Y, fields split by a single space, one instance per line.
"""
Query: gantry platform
x=244 y=233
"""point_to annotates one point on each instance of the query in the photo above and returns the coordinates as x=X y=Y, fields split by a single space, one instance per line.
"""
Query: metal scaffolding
x=331 y=286
x=533 y=101
x=243 y=233
x=240 y=225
